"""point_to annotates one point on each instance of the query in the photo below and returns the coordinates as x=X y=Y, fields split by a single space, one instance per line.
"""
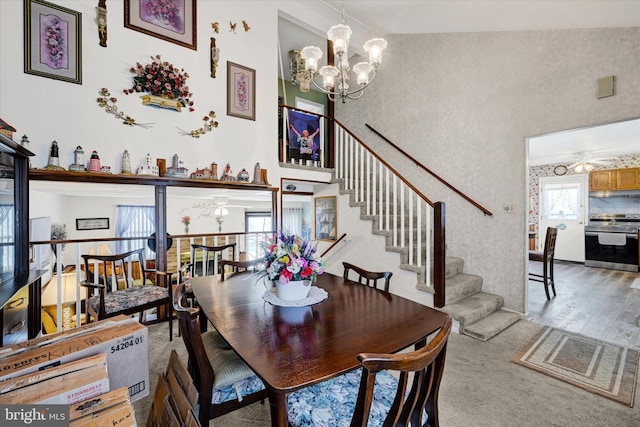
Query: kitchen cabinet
x=615 y=179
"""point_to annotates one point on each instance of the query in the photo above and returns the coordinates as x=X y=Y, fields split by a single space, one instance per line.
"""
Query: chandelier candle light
x=335 y=79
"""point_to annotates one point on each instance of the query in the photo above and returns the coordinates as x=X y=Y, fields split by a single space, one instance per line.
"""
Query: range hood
x=616 y=193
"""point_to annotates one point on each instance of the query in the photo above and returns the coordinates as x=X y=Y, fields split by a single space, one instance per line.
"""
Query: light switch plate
x=606 y=87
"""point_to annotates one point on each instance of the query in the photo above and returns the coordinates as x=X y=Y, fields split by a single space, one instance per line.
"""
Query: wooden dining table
x=293 y=347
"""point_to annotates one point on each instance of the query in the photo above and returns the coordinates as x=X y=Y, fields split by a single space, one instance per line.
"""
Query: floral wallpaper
x=537 y=172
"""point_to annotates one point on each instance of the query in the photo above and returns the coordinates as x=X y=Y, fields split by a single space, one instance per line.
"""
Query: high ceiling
x=436 y=16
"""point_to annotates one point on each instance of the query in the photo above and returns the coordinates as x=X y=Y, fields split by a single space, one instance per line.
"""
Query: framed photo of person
x=325 y=218
x=52 y=41
x=304 y=136
x=172 y=21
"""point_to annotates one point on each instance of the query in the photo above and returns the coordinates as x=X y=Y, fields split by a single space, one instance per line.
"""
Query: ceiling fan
x=586 y=164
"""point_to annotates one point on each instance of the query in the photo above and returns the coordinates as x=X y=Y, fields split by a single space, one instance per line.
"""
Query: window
x=256 y=221
x=135 y=221
x=7 y=238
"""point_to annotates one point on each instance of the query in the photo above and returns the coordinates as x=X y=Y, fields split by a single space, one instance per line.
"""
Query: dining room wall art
x=169 y=20
x=52 y=41
x=241 y=91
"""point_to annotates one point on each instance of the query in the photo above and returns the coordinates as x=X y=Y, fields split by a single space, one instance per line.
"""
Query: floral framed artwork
x=326 y=218
x=52 y=41
x=241 y=91
x=170 y=20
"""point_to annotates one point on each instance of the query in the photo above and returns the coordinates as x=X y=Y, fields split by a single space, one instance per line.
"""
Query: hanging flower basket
x=165 y=85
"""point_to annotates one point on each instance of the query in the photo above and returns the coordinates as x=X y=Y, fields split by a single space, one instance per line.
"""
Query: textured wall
x=463 y=105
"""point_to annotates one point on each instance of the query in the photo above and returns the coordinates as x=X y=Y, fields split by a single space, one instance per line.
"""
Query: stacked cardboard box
x=107 y=410
x=122 y=339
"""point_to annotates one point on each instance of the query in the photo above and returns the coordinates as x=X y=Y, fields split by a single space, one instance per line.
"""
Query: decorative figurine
x=105 y=169
x=257 y=178
x=243 y=176
x=175 y=170
x=215 y=56
x=94 y=162
x=101 y=20
x=78 y=160
x=148 y=168
x=54 y=159
x=126 y=163
x=24 y=141
x=214 y=171
x=228 y=174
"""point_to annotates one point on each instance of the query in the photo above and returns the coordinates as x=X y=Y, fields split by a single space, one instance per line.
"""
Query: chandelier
x=335 y=79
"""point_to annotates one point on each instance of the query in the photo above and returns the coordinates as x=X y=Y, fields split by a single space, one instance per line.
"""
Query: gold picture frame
x=241 y=91
x=179 y=27
x=326 y=222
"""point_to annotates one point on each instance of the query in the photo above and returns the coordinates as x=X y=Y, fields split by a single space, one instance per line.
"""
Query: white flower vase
x=294 y=290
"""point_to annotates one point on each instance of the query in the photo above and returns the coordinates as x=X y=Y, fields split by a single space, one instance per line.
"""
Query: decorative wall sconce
x=101 y=20
x=215 y=56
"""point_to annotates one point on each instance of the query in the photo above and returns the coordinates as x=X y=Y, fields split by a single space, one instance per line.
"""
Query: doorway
x=563 y=204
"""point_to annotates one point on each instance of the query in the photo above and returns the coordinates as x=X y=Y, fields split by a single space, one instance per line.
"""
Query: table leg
x=278 y=404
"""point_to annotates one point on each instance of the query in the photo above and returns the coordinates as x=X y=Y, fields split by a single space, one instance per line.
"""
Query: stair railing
x=411 y=222
x=429 y=171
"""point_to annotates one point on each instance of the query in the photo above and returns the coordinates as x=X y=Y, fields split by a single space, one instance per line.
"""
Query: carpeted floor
x=597 y=366
x=480 y=388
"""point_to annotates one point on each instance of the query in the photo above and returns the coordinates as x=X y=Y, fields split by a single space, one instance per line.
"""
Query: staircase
x=476 y=314
x=398 y=211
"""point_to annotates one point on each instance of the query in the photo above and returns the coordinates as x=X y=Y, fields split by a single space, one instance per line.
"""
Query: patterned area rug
x=596 y=366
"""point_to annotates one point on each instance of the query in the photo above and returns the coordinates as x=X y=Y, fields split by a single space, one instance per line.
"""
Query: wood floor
x=595 y=302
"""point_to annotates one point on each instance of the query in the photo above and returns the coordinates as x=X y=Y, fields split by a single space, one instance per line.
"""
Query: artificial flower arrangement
x=288 y=258
x=163 y=79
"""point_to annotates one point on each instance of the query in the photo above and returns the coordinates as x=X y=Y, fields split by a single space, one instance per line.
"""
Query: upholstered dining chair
x=123 y=286
x=546 y=257
x=371 y=395
x=369 y=278
x=224 y=381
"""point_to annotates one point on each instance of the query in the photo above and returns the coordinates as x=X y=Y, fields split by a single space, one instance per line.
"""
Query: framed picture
x=52 y=41
x=304 y=136
x=92 y=223
x=241 y=91
x=326 y=223
x=170 y=20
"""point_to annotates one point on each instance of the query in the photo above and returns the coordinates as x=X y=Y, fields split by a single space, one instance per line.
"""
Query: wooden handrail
x=429 y=171
x=333 y=244
x=384 y=162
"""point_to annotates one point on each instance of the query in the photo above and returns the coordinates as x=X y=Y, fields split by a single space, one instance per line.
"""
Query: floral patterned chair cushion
x=126 y=298
x=331 y=403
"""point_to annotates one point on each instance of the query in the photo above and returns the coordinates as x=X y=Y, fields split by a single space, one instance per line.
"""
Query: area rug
x=596 y=366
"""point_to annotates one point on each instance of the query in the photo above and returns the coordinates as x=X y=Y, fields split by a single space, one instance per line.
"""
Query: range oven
x=611 y=241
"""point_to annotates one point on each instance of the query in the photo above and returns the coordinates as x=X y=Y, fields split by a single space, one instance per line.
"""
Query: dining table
x=291 y=345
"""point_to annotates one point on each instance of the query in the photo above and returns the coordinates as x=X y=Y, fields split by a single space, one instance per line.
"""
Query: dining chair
x=237 y=266
x=372 y=395
x=224 y=381
x=205 y=260
x=369 y=278
x=546 y=257
x=124 y=288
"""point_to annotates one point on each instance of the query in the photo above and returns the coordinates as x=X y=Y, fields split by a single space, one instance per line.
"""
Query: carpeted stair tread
x=473 y=308
x=461 y=286
x=490 y=326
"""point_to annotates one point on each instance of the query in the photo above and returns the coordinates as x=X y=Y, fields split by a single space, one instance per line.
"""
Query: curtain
x=292 y=220
x=134 y=221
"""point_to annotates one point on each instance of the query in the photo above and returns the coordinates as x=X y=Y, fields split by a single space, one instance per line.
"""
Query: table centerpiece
x=292 y=264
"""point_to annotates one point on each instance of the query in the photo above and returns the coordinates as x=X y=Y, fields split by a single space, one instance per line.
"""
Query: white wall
x=45 y=109
x=463 y=104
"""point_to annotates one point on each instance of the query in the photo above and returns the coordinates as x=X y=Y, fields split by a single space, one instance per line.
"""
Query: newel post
x=439 y=249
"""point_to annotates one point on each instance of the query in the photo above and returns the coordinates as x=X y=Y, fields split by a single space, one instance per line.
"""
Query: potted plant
x=292 y=264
